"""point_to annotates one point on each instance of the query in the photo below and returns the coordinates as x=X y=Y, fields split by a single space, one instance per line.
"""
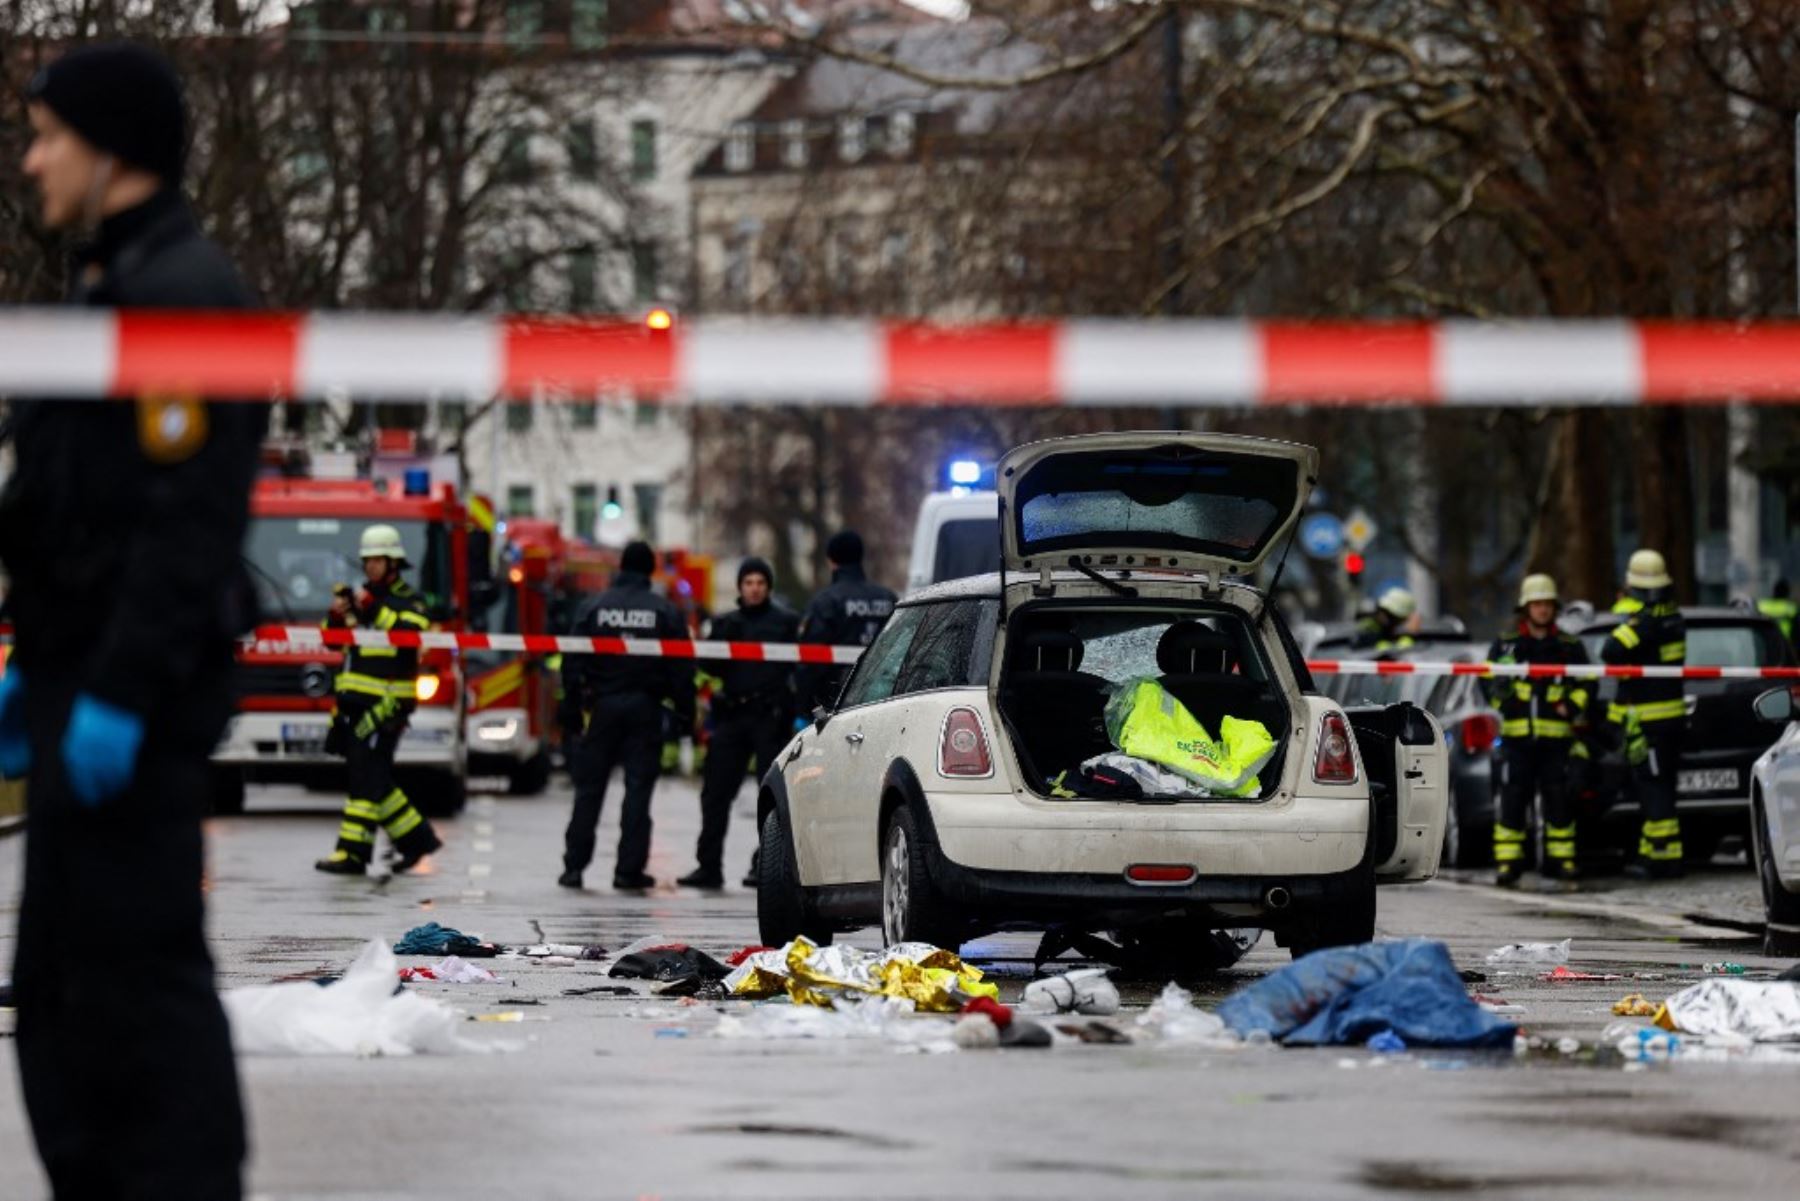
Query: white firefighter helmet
x=1398 y=603
x=1647 y=570
x=383 y=541
x=1537 y=587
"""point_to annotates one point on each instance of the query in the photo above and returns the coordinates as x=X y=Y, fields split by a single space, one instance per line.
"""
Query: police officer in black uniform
x=620 y=698
x=752 y=713
x=849 y=611
x=122 y=527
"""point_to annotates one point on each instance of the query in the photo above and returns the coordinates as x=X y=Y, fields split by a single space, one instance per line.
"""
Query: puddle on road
x=1405 y=1176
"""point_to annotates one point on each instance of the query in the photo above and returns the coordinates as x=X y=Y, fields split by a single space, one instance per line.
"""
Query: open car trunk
x=1065 y=660
x=1402 y=750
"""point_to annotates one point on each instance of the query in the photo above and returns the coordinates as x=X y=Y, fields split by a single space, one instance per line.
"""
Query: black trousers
x=375 y=800
x=1528 y=767
x=624 y=731
x=124 y=1053
x=753 y=734
x=1654 y=782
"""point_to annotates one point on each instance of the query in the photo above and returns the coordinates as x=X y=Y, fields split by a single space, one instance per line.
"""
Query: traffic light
x=1353 y=565
x=612 y=510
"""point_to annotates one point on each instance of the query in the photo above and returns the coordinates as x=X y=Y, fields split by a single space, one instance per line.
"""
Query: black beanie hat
x=755 y=566
x=638 y=557
x=123 y=99
x=845 y=548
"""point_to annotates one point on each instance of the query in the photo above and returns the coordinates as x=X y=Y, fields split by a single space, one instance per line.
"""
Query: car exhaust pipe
x=1277 y=897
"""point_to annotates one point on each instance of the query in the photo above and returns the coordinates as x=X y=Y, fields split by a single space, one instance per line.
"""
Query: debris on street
x=1345 y=995
x=1531 y=952
x=1563 y=974
x=668 y=963
x=1751 y=1010
x=360 y=1014
x=1084 y=990
x=935 y=980
x=1173 y=1018
x=452 y=970
x=1636 y=1006
x=433 y=939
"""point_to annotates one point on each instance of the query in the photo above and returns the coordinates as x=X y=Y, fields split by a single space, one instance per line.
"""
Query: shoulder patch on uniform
x=170 y=428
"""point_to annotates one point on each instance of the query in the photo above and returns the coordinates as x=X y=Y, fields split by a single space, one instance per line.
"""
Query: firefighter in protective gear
x=376 y=694
x=1781 y=609
x=1384 y=630
x=1651 y=715
x=1540 y=732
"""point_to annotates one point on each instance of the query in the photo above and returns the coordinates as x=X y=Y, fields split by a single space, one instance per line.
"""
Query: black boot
x=709 y=880
x=339 y=863
x=415 y=846
x=1506 y=875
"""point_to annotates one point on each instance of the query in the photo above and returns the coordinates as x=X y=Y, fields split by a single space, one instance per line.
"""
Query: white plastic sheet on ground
x=1174 y=1019
x=1531 y=952
x=359 y=1014
x=1753 y=1010
x=1084 y=990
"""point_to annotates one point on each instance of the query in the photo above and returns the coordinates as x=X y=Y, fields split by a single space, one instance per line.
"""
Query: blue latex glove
x=15 y=747
x=100 y=749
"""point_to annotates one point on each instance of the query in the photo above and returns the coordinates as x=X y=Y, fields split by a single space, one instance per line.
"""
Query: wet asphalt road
x=631 y=1098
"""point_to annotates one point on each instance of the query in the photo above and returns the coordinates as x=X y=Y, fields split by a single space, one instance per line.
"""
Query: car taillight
x=426 y=687
x=1336 y=761
x=1480 y=731
x=963 y=750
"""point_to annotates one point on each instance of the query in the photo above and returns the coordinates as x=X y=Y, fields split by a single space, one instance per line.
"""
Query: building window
x=515 y=157
x=524 y=23
x=521 y=500
x=584 y=415
x=649 y=507
x=453 y=416
x=644 y=281
x=518 y=419
x=584 y=290
x=645 y=414
x=740 y=147
x=900 y=131
x=740 y=246
x=303 y=25
x=851 y=139
x=587 y=24
x=793 y=143
x=584 y=505
x=584 y=151
x=643 y=150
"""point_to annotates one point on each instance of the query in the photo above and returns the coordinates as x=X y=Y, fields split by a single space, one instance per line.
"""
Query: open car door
x=1156 y=501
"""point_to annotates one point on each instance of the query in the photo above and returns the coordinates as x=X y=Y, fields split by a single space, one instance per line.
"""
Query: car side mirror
x=820 y=716
x=1776 y=705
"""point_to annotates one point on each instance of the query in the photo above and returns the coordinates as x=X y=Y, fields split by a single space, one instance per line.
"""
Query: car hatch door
x=1422 y=788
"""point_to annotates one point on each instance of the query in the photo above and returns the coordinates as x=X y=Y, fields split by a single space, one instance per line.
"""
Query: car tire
x=225 y=792
x=1699 y=843
x=1780 y=907
x=782 y=911
x=530 y=777
x=1466 y=845
x=911 y=910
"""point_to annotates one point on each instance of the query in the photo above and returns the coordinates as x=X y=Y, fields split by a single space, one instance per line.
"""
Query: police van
x=973 y=775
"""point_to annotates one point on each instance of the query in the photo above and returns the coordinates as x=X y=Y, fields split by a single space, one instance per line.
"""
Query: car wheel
x=782 y=911
x=1699 y=843
x=225 y=792
x=1780 y=907
x=911 y=910
x=530 y=777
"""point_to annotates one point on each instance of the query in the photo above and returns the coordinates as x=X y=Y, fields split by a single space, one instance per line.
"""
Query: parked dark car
x=1471 y=729
x=1724 y=737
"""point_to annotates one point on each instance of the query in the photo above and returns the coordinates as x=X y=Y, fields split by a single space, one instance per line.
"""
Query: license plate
x=1711 y=779
x=303 y=738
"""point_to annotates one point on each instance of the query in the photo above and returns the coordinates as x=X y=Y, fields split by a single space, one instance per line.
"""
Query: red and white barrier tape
x=289 y=639
x=86 y=353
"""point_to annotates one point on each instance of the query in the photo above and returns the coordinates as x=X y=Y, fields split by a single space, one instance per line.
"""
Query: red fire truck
x=302 y=544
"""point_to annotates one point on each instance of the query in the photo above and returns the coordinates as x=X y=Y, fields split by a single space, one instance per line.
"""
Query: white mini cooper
x=952 y=791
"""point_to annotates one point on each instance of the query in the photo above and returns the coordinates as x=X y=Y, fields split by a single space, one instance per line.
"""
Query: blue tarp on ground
x=1346 y=995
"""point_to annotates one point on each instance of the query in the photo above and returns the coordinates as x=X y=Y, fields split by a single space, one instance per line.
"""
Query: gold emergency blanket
x=933 y=979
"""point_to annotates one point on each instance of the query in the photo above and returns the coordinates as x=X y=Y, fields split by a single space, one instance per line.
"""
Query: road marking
x=483 y=846
x=480 y=870
x=476 y=895
x=484 y=829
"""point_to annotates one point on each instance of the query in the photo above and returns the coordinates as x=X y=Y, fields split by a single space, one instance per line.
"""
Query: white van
x=956 y=536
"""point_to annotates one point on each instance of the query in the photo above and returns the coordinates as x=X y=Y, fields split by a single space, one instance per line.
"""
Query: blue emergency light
x=965 y=473
x=418 y=481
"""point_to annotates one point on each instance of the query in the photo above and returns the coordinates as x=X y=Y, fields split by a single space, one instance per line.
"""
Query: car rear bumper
x=1275 y=840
